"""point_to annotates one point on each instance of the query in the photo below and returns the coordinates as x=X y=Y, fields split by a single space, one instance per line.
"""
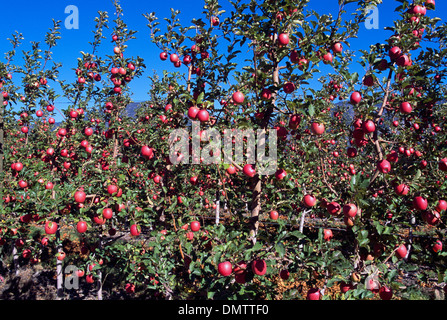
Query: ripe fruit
x=283 y=39
x=384 y=166
x=317 y=128
x=259 y=267
x=195 y=226
x=192 y=112
x=88 y=131
x=327 y=58
x=289 y=87
x=368 y=126
x=327 y=234
x=313 y=294
x=368 y=80
x=135 y=230
x=107 y=213
x=147 y=152
x=173 y=57
x=309 y=200
x=224 y=268
x=402 y=189
x=405 y=107
x=249 y=171
x=274 y=215
x=401 y=251
x=79 y=196
x=203 y=115
x=81 y=226
x=337 y=47
x=238 y=97
x=442 y=164
x=395 y=53
x=356 y=97
x=437 y=246
x=333 y=208
x=163 y=56
x=50 y=227
x=442 y=205
x=280 y=174
x=350 y=210
x=385 y=293
x=231 y=169
x=420 y=203
x=112 y=189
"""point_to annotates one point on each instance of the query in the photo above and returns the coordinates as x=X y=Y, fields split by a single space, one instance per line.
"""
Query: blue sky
x=33 y=19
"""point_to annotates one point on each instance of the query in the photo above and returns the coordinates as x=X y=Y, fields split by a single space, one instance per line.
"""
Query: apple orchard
x=355 y=210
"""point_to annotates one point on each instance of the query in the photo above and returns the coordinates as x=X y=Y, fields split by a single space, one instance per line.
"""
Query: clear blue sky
x=33 y=19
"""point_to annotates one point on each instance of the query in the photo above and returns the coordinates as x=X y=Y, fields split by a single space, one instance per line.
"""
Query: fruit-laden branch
x=379 y=115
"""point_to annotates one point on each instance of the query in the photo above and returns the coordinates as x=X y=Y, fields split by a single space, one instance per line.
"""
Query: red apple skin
x=437 y=246
x=249 y=171
x=238 y=97
x=350 y=210
x=81 y=226
x=259 y=267
x=79 y=196
x=309 y=200
x=134 y=230
x=225 y=268
x=317 y=128
x=313 y=294
x=420 y=203
x=274 y=215
x=356 y=97
x=385 y=293
x=195 y=226
x=401 y=251
x=50 y=227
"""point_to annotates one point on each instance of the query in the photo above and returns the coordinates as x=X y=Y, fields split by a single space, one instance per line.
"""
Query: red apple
x=385 y=293
x=50 y=227
x=327 y=234
x=401 y=251
x=356 y=97
x=309 y=200
x=147 y=152
x=163 y=56
x=107 y=213
x=384 y=166
x=274 y=215
x=192 y=112
x=238 y=97
x=249 y=171
x=420 y=203
x=280 y=174
x=333 y=208
x=79 y=196
x=203 y=115
x=313 y=294
x=81 y=226
x=224 y=268
x=368 y=126
x=195 y=226
x=337 y=47
x=135 y=230
x=259 y=267
x=317 y=128
x=350 y=210
x=442 y=164
x=441 y=206
x=437 y=246
x=283 y=39
x=405 y=107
